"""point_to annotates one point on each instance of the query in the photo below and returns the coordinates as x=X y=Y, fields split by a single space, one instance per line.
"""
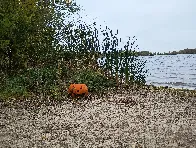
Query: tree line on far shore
x=185 y=51
x=148 y=53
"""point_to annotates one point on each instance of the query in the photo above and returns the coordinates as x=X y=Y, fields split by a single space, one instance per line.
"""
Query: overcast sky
x=159 y=25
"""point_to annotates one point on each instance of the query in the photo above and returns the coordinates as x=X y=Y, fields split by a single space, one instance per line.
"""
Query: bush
x=40 y=79
x=31 y=80
x=95 y=81
x=13 y=86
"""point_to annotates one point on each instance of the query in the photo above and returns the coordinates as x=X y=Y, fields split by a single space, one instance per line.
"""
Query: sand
x=148 y=119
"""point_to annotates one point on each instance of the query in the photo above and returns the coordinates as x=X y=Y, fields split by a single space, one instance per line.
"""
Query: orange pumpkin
x=78 y=89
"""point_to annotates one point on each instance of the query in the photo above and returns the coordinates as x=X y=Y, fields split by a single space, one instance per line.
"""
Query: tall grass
x=125 y=66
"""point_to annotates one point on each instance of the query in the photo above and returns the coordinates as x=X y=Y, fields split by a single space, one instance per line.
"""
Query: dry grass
x=120 y=119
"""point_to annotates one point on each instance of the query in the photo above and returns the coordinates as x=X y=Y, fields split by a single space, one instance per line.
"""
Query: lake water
x=177 y=71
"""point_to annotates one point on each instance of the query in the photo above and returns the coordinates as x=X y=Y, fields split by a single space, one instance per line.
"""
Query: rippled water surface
x=178 y=71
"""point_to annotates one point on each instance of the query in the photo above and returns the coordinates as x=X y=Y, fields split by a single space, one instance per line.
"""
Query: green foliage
x=95 y=81
x=31 y=29
x=40 y=79
x=13 y=86
x=34 y=61
x=124 y=62
x=18 y=26
x=84 y=42
x=32 y=80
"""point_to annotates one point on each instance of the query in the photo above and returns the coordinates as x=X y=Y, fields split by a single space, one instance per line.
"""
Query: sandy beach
x=126 y=118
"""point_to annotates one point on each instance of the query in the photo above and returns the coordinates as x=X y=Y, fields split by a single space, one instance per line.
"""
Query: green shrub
x=31 y=80
x=40 y=79
x=95 y=81
x=13 y=86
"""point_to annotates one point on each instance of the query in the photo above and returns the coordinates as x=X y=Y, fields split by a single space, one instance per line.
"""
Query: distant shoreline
x=148 y=53
x=154 y=55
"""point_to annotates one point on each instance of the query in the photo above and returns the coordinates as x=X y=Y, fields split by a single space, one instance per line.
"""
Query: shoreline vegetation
x=120 y=110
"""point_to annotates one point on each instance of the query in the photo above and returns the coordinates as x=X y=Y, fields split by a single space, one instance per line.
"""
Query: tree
x=30 y=28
